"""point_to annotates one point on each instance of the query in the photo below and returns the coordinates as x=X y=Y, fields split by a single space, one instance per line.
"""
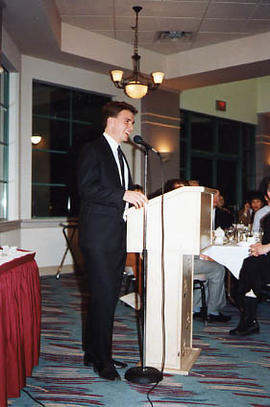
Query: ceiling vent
x=175 y=35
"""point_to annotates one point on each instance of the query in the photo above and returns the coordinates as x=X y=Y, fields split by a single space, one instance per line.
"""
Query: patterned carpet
x=229 y=372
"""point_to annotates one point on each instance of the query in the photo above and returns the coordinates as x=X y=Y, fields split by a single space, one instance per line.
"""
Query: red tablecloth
x=20 y=310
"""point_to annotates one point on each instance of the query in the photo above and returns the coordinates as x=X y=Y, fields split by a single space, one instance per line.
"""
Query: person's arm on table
x=258 y=249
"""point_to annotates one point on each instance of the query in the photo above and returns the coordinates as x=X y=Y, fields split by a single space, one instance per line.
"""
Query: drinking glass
x=229 y=233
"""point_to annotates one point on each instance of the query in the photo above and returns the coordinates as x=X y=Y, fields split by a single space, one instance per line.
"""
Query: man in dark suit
x=104 y=184
x=222 y=217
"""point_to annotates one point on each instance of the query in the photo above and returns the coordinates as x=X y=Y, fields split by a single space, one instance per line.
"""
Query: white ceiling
x=35 y=25
x=210 y=21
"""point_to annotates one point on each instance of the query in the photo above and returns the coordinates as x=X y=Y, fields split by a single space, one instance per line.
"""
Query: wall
x=161 y=128
x=263 y=92
x=11 y=54
x=10 y=233
x=241 y=98
x=46 y=238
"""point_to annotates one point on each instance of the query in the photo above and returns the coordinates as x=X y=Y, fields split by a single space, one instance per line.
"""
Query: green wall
x=242 y=98
x=263 y=95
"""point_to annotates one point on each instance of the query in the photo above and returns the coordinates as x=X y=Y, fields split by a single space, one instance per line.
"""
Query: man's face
x=121 y=126
x=256 y=204
x=221 y=200
x=216 y=198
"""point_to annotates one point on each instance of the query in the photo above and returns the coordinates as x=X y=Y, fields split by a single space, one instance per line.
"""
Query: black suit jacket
x=102 y=206
x=223 y=218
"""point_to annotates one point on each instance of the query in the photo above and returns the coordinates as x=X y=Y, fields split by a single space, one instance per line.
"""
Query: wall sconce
x=165 y=156
x=36 y=138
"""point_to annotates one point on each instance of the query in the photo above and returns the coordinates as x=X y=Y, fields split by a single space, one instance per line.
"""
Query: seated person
x=174 y=183
x=193 y=182
x=215 y=290
x=221 y=203
x=169 y=185
x=263 y=211
x=221 y=217
x=256 y=202
x=214 y=273
x=254 y=274
x=245 y=214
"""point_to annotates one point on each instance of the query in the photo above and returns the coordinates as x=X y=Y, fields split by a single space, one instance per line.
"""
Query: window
x=218 y=152
x=4 y=86
x=65 y=119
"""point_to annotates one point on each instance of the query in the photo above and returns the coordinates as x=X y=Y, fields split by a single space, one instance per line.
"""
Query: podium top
x=183 y=190
x=187 y=221
x=174 y=192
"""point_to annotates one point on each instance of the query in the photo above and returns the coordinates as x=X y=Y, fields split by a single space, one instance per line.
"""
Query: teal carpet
x=229 y=371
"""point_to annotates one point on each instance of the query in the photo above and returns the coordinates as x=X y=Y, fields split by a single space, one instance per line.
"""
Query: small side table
x=66 y=227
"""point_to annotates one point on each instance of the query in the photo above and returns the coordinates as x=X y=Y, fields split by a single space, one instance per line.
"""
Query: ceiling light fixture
x=136 y=85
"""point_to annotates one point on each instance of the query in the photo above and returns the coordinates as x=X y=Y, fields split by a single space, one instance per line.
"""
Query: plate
x=244 y=244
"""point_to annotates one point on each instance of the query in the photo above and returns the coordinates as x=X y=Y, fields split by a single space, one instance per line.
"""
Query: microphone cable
x=163 y=298
x=33 y=398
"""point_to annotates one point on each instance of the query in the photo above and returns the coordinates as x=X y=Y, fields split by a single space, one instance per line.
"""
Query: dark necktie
x=121 y=161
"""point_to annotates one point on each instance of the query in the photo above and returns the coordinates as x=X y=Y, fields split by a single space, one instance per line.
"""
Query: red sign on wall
x=221 y=105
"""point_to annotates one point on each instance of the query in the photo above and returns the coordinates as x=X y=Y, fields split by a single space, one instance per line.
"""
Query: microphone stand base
x=143 y=375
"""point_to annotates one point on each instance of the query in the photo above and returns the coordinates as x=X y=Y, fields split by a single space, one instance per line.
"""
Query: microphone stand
x=144 y=374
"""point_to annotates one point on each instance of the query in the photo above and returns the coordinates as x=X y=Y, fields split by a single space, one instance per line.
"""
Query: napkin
x=219 y=235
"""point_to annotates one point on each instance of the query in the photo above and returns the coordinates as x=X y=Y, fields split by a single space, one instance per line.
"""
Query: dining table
x=20 y=316
x=231 y=255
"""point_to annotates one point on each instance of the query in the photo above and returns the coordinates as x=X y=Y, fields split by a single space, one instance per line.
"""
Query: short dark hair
x=171 y=183
x=113 y=108
x=256 y=195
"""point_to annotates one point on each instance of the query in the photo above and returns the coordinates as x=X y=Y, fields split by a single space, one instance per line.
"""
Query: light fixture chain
x=136 y=34
x=136 y=85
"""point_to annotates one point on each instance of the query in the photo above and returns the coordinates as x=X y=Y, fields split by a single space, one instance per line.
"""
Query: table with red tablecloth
x=20 y=311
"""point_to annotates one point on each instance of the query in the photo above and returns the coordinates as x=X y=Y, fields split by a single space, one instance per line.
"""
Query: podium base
x=144 y=375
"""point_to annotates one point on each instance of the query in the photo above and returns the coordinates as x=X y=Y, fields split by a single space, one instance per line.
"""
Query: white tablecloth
x=231 y=256
x=9 y=257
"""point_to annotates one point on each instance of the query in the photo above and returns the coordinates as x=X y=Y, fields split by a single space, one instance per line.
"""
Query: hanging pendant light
x=136 y=85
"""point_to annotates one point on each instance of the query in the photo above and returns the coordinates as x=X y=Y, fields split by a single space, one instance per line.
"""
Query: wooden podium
x=187 y=230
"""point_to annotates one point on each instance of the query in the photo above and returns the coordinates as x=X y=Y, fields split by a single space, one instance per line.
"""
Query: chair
x=199 y=281
x=70 y=232
x=132 y=273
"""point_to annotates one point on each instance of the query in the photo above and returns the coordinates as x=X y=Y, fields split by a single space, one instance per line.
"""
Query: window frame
x=71 y=122
x=4 y=106
x=215 y=155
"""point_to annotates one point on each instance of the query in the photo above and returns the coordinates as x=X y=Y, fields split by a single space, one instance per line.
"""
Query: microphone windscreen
x=137 y=139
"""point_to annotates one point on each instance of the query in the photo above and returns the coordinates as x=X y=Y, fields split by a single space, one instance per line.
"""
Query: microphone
x=139 y=140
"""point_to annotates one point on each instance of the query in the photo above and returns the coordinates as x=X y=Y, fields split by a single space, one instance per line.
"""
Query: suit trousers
x=254 y=274
x=105 y=271
x=215 y=288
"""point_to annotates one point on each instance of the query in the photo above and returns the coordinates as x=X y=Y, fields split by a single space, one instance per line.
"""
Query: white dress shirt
x=258 y=217
x=114 y=145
